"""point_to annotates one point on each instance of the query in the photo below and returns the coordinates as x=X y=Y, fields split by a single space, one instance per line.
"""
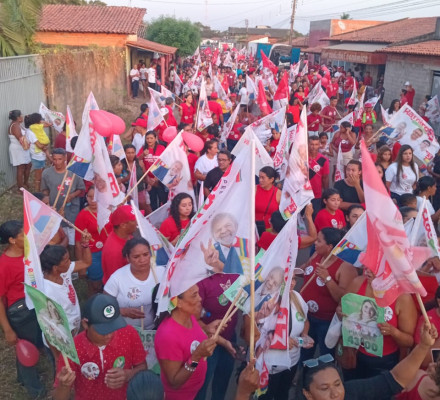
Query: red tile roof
x=389 y=32
x=428 y=48
x=302 y=41
x=90 y=19
x=152 y=46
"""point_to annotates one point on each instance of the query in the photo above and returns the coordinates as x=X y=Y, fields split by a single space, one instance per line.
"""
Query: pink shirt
x=174 y=342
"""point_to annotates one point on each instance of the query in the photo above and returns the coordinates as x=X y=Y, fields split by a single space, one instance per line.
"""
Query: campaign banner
x=360 y=316
x=410 y=128
x=53 y=323
x=433 y=110
x=147 y=338
x=56 y=118
x=263 y=126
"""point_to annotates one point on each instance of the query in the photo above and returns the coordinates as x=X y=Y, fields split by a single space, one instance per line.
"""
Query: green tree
x=18 y=19
x=179 y=33
x=345 y=16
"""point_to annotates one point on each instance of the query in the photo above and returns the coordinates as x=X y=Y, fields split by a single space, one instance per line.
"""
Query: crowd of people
x=195 y=362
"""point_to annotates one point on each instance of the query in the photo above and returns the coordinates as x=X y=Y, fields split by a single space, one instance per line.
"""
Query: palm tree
x=345 y=16
x=18 y=19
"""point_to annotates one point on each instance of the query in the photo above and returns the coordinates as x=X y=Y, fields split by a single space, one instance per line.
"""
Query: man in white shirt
x=134 y=75
x=152 y=76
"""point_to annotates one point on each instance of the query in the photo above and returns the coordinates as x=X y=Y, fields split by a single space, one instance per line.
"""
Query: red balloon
x=324 y=82
x=169 y=134
x=27 y=353
x=118 y=124
x=193 y=141
x=101 y=122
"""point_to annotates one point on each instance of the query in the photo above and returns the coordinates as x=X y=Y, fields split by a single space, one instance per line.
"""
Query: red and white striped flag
x=389 y=254
x=339 y=173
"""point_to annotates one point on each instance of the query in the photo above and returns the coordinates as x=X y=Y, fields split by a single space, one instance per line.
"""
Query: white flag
x=339 y=173
x=227 y=126
x=91 y=104
x=132 y=184
x=70 y=130
x=204 y=113
x=54 y=117
x=154 y=115
x=297 y=191
x=178 y=84
x=263 y=126
x=252 y=89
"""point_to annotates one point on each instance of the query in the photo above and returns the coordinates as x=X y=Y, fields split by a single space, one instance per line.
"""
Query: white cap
x=164 y=111
x=407 y=83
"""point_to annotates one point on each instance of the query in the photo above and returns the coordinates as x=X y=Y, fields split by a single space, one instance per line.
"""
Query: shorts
x=94 y=272
x=70 y=233
x=38 y=164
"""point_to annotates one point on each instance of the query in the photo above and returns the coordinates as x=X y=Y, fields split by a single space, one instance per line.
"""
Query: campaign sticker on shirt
x=119 y=362
x=90 y=370
x=317 y=168
x=334 y=223
x=222 y=300
x=194 y=345
x=99 y=245
x=109 y=311
x=299 y=317
x=308 y=270
x=133 y=293
x=313 y=306
x=320 y=282
x=388 y=314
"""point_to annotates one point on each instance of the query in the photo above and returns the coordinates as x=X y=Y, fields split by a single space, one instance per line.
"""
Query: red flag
x=225 y=47
x=208 y=51
x=262 y=101
x=268 y=64
x=283 y=88
x=215 y=55
x=388 y=255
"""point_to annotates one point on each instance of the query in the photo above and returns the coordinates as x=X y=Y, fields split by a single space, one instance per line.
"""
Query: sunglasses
x=314 y=362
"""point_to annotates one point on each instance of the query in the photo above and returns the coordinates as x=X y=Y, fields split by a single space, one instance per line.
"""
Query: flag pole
x=423 y=309
x=137 y=183
x=252 y=251
x=68 y=192
x=60 y=188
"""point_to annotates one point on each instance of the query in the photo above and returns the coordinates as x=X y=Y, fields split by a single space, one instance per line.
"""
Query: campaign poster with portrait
x=53 y=323
x=410 y=128
x=359 y=323
x=56 y=118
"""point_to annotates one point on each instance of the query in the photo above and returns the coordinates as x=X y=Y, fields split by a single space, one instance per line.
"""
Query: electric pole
x=292 y=20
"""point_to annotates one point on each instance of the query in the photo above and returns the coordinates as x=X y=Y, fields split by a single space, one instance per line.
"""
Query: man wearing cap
x=124 y=225
x=138 y=133
x=110 y=354
x=215 y=107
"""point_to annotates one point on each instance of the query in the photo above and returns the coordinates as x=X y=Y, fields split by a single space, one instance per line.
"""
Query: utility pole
x=292 y=20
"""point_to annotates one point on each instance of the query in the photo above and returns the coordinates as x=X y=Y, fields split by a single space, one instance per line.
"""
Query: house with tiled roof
x=400 y=51
x=103 y=26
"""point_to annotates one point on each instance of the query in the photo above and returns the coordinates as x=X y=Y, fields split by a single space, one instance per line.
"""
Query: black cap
x=102 y=312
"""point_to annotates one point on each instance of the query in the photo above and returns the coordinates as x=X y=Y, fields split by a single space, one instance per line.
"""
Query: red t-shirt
x=215 y=108
x=265 y=200
x=169 y=228
x=435 y=320
x=332 y=89
x=11 y=278
x=266 y=240
x=88 y=220
x=112 y=258
x=192 y=159
x=188 y=113
x=125 y=349
x=368 y=81
x=171 y=119
x=204 y=138
x=410 y=96
x=174 y=342
x=326 y=220
x=318 y=168
x=313 y=122
x=273 y=146
x=295 y=111
x=330 y=112
x=152 y=156
x=300 y=96
x=348 y=84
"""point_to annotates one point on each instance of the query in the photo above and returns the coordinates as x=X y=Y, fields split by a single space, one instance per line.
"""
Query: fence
x=22 y=88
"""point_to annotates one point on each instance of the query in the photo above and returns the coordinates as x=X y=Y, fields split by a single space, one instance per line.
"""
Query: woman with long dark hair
x=19 y=148
x=181 y=212
x=152 y=151
x=427 y=187
x=394 y=107
x=402 y=175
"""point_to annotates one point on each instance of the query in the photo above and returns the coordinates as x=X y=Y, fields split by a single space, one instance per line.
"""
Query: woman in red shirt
x=299 y=94
x=330 y=216
x=181 y=212
x=187 y=110
x=295 y=107
x=88 y=219
x=326 y=280
x=152 y=151
x=314 y=120
x=397 y=331
x=17 y=321
x=267 y=198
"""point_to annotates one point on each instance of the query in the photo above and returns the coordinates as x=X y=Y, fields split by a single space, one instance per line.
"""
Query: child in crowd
x=330 y=216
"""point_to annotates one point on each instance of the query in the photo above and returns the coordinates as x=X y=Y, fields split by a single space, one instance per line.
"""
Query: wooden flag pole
x=423 y=310
x=68 y=192
x=311 y=279
x=252 y=252
x=142 y=319
x=137 y=183
x=59 y=189
x=228 y=313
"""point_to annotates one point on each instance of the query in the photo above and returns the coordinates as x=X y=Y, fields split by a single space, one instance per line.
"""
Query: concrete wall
x=71 y=75
x=416 y=69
